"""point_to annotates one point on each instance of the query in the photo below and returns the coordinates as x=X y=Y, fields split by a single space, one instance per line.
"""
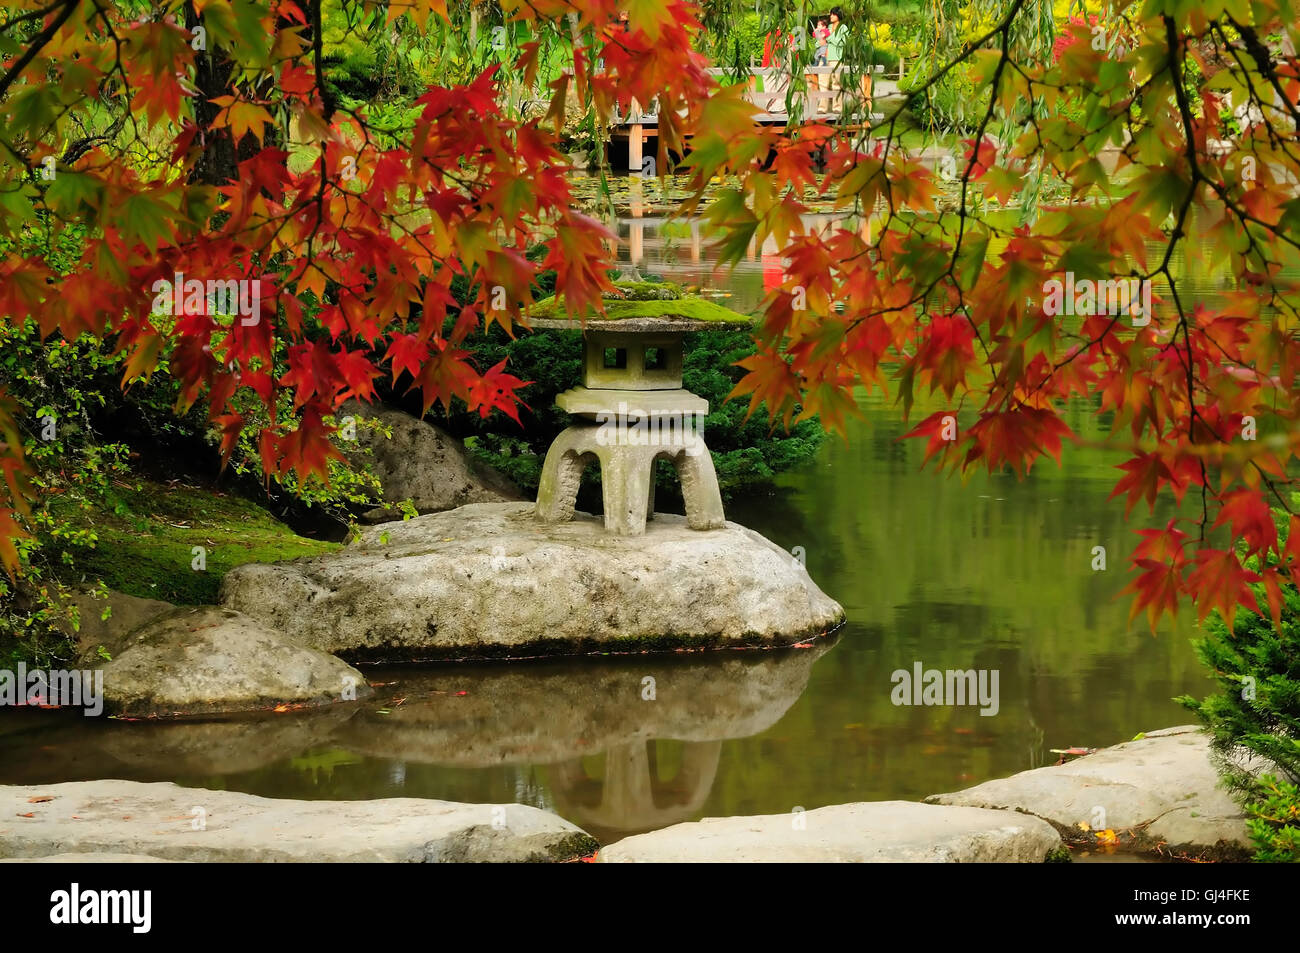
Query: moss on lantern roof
x=644 y=299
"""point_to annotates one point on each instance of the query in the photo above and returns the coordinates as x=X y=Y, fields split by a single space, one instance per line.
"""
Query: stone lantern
x=630 y=411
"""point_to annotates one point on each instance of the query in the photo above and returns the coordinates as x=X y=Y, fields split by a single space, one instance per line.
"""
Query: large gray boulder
x=874 y=832
x=1162 y=788
x=489 y=580
x=207 y=660
x=421 y=463
x=170 y=822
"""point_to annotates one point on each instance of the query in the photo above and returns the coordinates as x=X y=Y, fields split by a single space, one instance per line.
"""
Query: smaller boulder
x=207 y=660
x=422 y=464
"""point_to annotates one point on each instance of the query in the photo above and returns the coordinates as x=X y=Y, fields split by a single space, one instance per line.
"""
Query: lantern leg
x=625 y=479
x=700 y=489
x=557 y=491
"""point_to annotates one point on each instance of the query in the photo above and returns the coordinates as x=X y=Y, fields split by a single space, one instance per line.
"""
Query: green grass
x=146 y=541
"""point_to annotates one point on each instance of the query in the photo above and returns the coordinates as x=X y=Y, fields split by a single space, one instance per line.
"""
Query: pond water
x=994 y=574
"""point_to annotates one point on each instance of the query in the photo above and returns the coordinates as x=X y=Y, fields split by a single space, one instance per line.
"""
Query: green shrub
x=1273 y=820
x=67 y=389
x=1257 y=707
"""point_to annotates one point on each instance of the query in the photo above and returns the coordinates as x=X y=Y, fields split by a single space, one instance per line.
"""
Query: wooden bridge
x=768 y=90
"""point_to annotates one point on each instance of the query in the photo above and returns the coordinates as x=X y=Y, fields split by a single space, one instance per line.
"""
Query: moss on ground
x=145 y=541
x=695 y=309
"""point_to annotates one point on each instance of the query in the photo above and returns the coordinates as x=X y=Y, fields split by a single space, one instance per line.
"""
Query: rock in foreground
x=208 y=660
x=874 y=832
x=1163 y=787
x=489 y=580
x=159 y=821
x=88 y=859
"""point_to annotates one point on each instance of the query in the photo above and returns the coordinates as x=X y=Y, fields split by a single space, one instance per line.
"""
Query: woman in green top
x=838 y=38
x=835 y=44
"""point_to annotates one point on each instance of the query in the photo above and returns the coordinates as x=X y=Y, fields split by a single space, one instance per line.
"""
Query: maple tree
x=354 y=250
x=352 y=257
x=1200 y=396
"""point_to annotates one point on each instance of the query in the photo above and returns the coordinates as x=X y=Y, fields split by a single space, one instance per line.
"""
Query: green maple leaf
x=147 y=220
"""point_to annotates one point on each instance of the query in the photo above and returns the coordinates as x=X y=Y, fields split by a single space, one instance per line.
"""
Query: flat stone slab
x=585 y=401
x=208 y=660
x=490 y=580
x=158 y=820
x=874 y=832
x=1164 y=786
x=88 y=859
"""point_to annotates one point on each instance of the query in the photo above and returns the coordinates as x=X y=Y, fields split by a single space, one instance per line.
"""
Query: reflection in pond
x=632 y=795
x=552 y=718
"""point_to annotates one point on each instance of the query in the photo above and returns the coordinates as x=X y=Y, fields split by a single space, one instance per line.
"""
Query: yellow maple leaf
x=242 y=117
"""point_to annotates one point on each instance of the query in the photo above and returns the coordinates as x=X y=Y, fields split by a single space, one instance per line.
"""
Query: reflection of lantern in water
x=632 y=796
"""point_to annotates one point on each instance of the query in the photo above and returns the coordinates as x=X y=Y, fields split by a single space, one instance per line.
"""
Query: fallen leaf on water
x=462 y=693
x=27 y=815
x=40 y=799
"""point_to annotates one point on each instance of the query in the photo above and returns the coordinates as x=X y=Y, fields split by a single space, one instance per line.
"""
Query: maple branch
x=1198 y=176
x=318 y=55
x=1264 y=60
x=30 y=15
x=39 y=42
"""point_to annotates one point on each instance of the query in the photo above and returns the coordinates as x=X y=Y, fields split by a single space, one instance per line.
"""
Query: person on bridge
x=836 y=44
x=821 y=36
x=837 y=38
